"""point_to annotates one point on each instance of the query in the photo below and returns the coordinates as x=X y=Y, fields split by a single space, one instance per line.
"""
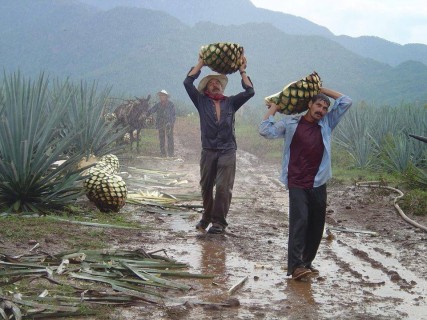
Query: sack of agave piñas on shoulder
x=222 y=57
x=294 y=97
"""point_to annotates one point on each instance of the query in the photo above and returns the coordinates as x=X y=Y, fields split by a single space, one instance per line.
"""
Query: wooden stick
x=372 y=233
x=237 y=286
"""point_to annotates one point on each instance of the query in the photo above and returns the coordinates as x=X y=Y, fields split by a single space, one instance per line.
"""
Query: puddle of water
x=211 y=257
x=268 y=287
x=180 y=222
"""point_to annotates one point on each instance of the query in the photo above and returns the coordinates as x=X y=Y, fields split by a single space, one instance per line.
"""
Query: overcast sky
x=400 y=21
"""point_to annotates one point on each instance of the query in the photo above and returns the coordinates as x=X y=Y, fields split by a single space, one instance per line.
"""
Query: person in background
x=218 y=155
x=166 y=116
x=306 y=167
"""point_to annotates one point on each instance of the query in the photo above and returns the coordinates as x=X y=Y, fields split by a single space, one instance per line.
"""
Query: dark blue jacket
x=217 y=135
x=165 y=114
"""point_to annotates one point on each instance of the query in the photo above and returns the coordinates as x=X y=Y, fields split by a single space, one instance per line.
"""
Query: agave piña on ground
x=106 y=189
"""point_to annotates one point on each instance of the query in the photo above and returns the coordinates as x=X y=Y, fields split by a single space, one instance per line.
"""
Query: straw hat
x=204 y=82
x=163 y=92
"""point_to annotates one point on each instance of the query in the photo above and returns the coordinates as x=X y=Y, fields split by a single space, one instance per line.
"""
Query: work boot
x=300 y=273
x=202 y=225
x=216 y=229
x=313 y=269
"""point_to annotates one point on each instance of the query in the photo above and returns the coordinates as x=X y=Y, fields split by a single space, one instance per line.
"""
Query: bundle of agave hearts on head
x=222 y=57
x=294 y=97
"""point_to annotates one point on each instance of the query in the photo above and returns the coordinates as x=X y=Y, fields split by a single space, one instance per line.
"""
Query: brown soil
x=361 y=276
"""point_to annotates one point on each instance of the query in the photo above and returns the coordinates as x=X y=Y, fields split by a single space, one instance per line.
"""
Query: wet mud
x=361 y=276
x=377 y=272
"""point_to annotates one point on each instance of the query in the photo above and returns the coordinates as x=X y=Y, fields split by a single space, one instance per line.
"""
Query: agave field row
x=48 y=121
x=379 y=138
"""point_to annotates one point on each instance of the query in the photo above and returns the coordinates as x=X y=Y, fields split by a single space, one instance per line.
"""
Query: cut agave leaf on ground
x=139 y=295
x=134 y=275
x=156 y=172
x=179 y=274
x=22 y=272
x=44 y=306
x=93 y=224
x=145 y=275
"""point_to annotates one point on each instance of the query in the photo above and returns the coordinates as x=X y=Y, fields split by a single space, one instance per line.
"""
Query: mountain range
x=193 y=11
x=140 y=47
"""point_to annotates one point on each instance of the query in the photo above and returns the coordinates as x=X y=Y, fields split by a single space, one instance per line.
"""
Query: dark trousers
x=307 y=211
x=217 y=169
x=168 y=132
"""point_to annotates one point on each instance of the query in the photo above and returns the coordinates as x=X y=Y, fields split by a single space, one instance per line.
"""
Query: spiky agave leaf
x=29 y=119
x=85 y=119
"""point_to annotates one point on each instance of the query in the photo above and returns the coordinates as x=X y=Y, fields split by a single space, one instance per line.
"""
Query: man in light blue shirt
x=306 y=168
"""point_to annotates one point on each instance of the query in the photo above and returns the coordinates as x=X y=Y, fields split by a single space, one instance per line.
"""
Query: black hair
x=321 y=96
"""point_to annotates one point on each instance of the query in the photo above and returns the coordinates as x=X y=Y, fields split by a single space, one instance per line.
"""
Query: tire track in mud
x=371 y=279
x=364 y=277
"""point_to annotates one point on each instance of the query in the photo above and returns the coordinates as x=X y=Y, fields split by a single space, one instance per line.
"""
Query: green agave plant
x=377 y=137
x=397 y=153
x=27 y=150
x=421 y=177
x=84 y=119
x=352 y=133
x=38 y=172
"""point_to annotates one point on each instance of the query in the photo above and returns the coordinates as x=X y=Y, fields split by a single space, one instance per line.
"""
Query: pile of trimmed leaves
x=82 y=278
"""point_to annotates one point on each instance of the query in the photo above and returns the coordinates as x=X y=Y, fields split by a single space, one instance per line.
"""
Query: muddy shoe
x=300 y=273
x=313 y=270
x=202 y=225
x=216 y=229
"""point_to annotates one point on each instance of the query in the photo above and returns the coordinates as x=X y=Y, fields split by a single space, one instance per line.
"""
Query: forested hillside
x=226 y=12
x=138 y=51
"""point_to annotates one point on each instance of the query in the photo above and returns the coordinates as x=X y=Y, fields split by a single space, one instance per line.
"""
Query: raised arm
x=341 y=105
x=200 y=64
x=331 y=93
x=242 y=71
x=272 y=109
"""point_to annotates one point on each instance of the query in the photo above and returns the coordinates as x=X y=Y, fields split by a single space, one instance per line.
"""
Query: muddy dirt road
x=362 y=276
x=380 y=273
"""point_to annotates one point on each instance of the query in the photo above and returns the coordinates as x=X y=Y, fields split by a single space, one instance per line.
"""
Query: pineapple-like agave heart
x=104 y=188
x=295 y=96
x=222 y=57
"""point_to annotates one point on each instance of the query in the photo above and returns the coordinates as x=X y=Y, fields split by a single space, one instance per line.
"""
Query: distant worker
x=306 y=167
x=165 y=121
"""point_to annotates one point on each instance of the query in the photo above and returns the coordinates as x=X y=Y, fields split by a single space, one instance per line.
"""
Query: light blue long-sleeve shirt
x=286 y=127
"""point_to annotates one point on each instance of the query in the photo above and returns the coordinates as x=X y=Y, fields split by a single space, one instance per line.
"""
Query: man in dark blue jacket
x=166 y=116
x=218 y=157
